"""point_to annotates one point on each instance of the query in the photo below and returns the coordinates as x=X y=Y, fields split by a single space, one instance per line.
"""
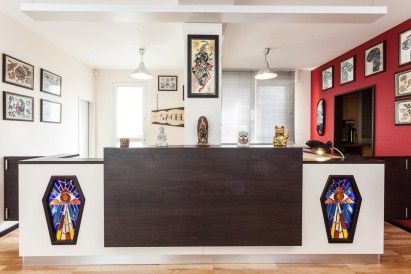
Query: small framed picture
x=403 y=83
x=321 y=117
x=17 y=72
x=167 y=83
x=405 y=48
x=50 y=112
x=328 y=78
x=347 y=71
x=403 y=112
x=18 y=107
x=374 y=59
x=50 y=82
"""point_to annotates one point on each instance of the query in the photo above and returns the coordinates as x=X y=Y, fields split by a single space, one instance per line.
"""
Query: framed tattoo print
x=50 y=112
x=203 y=66
x=347 y=71
x=327 y=77
x=167 y=83
x=375 y=59
x=17 y=72
x=403 y=112
x=50 y=82
x=403 y=83
x=405 y=48
x=18 y=107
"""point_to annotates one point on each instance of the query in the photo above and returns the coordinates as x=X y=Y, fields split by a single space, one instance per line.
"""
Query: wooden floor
x=397 y=259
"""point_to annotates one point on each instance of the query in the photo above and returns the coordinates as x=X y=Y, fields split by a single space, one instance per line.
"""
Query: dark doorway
x=354 y=122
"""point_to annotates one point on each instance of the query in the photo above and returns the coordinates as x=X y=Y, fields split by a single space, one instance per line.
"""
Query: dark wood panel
x=202 y=197
x=11 y=186
x=395 y=188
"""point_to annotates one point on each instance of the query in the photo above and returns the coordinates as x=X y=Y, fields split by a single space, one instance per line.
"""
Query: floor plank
x=396 y=259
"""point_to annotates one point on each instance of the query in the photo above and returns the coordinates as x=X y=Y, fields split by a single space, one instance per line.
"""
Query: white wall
x=208 y=107
x=105 y=83
x=36 y=138
x=302 y=105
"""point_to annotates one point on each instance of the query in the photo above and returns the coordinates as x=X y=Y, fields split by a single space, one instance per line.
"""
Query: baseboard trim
x=204 y=259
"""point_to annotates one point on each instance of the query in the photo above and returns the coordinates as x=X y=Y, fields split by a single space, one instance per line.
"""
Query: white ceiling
x=108 y=45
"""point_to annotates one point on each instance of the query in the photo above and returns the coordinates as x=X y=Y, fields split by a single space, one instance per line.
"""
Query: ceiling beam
x=202 y=13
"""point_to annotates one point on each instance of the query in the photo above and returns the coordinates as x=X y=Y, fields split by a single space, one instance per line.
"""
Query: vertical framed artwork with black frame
x=203 y=66
x=321 y=117
x=404 y=48
x=327 y=78
x=374 y=59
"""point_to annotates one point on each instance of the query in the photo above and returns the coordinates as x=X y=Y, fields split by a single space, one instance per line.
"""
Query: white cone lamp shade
x=142 y=73
x=265 y=72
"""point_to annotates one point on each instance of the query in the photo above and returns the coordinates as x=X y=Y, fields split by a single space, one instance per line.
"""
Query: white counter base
x=203 y=259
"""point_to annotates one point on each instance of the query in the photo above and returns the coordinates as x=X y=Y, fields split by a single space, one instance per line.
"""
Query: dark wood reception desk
x=216 y=196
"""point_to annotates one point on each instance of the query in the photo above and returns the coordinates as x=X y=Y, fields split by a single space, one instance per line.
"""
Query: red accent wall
x=389 y=140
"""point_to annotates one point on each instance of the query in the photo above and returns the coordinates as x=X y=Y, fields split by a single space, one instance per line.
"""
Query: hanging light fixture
x=141 y=72
x=265 y=72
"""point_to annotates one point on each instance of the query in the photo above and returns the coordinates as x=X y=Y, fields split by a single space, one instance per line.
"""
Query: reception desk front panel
x=202 y=197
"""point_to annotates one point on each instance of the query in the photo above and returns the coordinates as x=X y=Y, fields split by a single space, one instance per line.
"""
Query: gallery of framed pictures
x=18 y=107
x=50 y=82
x=167 y=83
x=203 y=66
x=17 y=72
x=50 y=112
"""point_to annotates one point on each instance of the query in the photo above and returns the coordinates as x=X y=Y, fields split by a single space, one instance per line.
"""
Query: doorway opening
x=354 y=122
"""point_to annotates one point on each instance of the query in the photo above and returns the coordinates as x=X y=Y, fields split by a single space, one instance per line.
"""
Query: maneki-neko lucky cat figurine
x=280 y=137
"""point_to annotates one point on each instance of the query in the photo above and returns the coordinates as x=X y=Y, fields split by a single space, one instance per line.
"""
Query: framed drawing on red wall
x=403 y=112
x=403 y=83
x=347 y=71
x=374 y=59
x=327 y=78
x=405 y=48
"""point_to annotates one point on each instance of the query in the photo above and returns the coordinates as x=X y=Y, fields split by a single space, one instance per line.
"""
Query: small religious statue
x=202 y=132
x=161 y=138
x=280 y=136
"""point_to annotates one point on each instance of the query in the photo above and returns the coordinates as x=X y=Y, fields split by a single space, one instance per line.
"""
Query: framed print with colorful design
x=340 y=202
x=403 y=83
x=404 y=48
x=17 y=72
x=403 y=112
x=374 y=59
x=18 y=107
x=50 y=82
x=327 y=78
x=50 y=112
x=347 y=71
x=63 y=204
x=203 y=66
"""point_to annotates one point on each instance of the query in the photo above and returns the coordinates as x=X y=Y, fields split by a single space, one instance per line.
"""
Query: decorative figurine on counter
x=124 y=142
x=243 y=139
x=202 y=132
x=280 y=137
x=161 y=138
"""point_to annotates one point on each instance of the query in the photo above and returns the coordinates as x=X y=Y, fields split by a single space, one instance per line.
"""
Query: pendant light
x=141 y=72
x=265 y=72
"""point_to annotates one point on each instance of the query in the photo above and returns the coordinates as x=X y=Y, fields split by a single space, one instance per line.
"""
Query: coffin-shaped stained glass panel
x=63 y=204
x=341 y=202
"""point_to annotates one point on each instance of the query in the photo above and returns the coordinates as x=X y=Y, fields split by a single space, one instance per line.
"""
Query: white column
x=208 y=107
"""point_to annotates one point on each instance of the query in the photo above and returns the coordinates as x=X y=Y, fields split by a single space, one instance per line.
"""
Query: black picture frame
x=354 y=70
x=48 y=214
x=42 y=72
x=321 y=129
x=396 y=103
x=4 y=76
x=332 y=78
x=42 y=111
x=400 y=48
x=169 y=76
x=384 y=46
x=396 y=83
x=355 y=189
x=216 y=57
x=5 y=107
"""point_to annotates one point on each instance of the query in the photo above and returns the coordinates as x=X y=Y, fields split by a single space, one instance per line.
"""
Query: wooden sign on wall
x=170 y=117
